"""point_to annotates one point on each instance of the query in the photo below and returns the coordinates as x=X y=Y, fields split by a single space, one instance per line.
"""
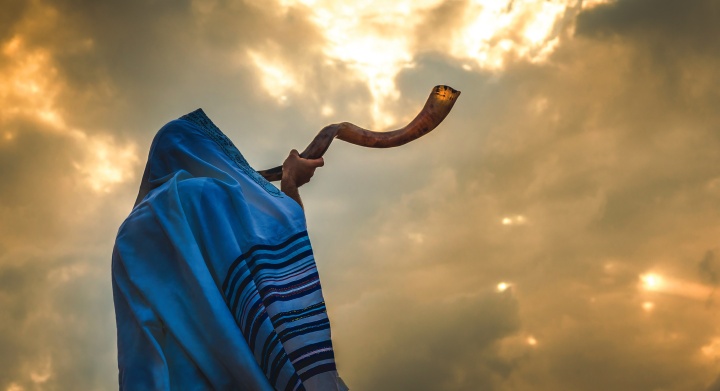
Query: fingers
x=299 y=170
x=314 y=163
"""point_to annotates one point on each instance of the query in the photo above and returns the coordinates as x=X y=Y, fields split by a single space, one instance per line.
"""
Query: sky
x=558 y=231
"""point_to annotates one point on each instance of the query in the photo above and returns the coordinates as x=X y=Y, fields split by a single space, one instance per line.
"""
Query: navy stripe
x=292 y=332
x=317 y=370
x=293 y=295
x=291 y=316
x=277 y=366
x=267 y=274
x=240 y=306
x=258 y=262
x=288 y=286
x=260 y=247
x=293 y=383
x=238 y=293
x=247 y=279
x=257 y=257
x=309 y=348
x=315 y=358
x=274 y=266
x=249 y=302
x=252 y=269
x=278 y=251
x=301 y=268
x=231 y=293
x=238 y=263
x=307 y=330
x=269 y=346
x=252 y=314
x=255 y=329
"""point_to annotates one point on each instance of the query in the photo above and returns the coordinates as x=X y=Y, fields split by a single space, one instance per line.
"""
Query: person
x=214 y=280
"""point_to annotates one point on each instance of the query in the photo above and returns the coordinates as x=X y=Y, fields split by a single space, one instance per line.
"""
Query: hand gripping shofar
x=437 y=107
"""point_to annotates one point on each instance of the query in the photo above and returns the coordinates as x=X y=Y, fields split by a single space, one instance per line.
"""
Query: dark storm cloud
x=681 y=26
x=715 y=386
x=12 y=12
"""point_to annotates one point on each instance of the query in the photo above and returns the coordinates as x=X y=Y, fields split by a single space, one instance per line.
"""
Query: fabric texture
x=214 y=280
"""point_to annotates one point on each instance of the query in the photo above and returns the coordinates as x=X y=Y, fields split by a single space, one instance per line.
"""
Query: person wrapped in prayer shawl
x=214 y=281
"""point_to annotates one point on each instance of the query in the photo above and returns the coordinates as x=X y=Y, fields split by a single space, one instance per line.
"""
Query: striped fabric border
x=274 y=293
x=198 y=117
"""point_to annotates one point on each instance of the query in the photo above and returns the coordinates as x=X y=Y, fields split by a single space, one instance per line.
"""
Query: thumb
x=319 y=162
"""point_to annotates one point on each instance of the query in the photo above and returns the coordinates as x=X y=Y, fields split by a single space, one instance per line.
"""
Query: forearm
x=288 y=187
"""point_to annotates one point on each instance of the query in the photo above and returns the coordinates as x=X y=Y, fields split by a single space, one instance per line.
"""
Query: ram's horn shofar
x=437 y=107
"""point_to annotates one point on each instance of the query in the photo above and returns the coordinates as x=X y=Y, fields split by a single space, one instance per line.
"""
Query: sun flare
x=651 y=282
x=378 y=39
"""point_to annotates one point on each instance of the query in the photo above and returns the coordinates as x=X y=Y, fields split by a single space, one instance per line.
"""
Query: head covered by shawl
x=214 y=280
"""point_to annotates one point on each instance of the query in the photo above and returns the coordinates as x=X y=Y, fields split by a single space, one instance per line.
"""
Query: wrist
x=287 y=182
x=288 y=186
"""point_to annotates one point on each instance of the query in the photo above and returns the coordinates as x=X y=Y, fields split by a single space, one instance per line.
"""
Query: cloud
x=454 y=349
x=709 y=274
x=606 y=157
x=605 y=143
x=715 y=386
x=708 y=269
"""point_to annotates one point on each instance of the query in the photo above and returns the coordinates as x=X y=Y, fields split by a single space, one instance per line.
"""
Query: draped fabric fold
x=214 y=280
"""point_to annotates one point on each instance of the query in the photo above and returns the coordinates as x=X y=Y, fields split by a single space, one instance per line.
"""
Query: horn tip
x=446 y=92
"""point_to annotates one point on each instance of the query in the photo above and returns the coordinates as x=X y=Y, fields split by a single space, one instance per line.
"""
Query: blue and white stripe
x=274 y=293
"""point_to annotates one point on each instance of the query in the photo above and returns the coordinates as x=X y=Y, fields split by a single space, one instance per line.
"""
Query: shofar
x=437 y=107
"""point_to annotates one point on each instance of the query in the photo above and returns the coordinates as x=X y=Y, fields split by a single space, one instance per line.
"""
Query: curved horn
x=437 y=107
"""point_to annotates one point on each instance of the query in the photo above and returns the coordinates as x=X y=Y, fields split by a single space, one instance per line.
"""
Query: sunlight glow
x=374 y=38
x=416 y=237
x=497 y=30
x=327 y=110
x=107 y=164
x=514 y=220
x=28 y=84
x=378 y=39
x=503 y=286
x=277 y=79
x=532 y=341
x=542 y=23
x=712 y=349
x=587 y=4
x=674 y=286
x=42 y=371
x=30 y=88
x=651 y=282
x=648 y=306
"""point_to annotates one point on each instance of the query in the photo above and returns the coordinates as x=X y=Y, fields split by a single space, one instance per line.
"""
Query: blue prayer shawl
x=214 y=281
